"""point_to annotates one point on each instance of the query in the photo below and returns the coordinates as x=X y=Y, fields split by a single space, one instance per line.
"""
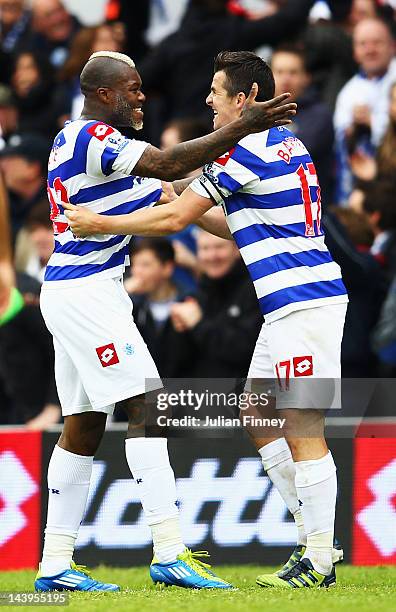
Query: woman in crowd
x=35 y=96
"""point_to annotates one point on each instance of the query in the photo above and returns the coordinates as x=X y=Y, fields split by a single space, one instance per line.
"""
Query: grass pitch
x=364 y=589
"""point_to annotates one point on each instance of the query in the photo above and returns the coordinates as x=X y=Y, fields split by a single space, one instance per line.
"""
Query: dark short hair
x=296 y=50
x=39 y=216
x=380 y=197
x=161 y=247
x=188 y=128
x=242 y=69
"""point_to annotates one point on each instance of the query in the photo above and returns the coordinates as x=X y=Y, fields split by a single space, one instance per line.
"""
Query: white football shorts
x=294 y=351
x=100 y=356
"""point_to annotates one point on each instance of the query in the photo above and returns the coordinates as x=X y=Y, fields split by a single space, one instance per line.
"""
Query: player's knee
x=82 y=444
x=82 y=434
x=142 y=414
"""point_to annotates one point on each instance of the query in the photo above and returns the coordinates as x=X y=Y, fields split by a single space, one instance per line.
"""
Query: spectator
x=27 y=362
x=362 y=104
x=184 y=243
x=8 y=114
x=383 y=165
x=361 y=9
x=23 y=162
x=7 y=284
x=379 y=205
x=53 y=30
x=148 y=22
x=153 y=293
x=181 y=130
x=38 y=105
x=384 y=334
x=357 y=227
x=206 y=29
x=41 y=234
x=313 y=124
x=224 y=320
x=329 y=56
x=348 y=238
x=7 y=279
x=85 y=42
x=14 y=22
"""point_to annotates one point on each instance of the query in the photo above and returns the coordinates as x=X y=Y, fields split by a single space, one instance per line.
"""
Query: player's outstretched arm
x=185 y=157
x=157 y=221
x=214 y=222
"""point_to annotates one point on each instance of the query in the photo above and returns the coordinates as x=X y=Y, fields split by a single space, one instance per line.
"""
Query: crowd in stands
x=193 y=300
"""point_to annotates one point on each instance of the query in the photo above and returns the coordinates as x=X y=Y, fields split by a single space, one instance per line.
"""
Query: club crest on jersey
x=303 y=366
x=100 y=130
x=107 y=355
x=223 y=159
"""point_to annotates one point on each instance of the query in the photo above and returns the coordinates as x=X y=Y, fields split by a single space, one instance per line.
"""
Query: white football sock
x=148 y=461
x=278 y=463
x=316 y=484
x=68 y=484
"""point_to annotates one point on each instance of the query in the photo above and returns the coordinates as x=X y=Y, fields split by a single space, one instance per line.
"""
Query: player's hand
x=168 y=193
x=82 y=222
x=260 y=116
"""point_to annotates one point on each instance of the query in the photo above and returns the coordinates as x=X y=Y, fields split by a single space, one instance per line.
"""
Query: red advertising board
x=20 y=477
x=374 y=501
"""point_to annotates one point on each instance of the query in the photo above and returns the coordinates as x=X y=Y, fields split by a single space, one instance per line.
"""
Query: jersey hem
x=306 y=305
x=77 y=282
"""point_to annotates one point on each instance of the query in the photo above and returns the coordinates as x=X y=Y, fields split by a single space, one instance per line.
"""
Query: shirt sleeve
x=222 y=178
x=109 y=151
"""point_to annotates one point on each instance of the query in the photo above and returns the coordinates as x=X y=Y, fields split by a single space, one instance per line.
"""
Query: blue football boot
x=77 y=578
x=188 y=572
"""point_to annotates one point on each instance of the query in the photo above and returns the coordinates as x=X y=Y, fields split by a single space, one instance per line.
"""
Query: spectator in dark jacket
x=23 y=162
x=183 y=53
x=348 y=239
x=53 y=29
x=153 y=293
x=14 y=27
x=313 y=124
x=379 y=205
x=27 y=362
x=224 y=320
x=35 y=96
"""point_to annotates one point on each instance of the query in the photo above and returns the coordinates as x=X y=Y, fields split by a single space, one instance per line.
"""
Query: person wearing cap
x=23 y=162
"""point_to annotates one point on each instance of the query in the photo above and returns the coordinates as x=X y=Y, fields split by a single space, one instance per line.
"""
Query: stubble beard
x=123 y=113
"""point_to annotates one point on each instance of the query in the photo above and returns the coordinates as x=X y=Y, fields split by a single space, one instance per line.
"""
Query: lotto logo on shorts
x=303 y=366
x=100 y=130
x=107 y=355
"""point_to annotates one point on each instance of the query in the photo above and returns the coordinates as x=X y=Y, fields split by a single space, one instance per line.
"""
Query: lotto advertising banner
x=20 y=503
x=374 y=503
x=227 y=503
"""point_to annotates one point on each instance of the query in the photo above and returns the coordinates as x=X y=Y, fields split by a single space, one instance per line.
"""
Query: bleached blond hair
x=121 y=57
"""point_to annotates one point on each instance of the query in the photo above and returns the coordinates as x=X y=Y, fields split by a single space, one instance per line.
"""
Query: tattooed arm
x=185 y=157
